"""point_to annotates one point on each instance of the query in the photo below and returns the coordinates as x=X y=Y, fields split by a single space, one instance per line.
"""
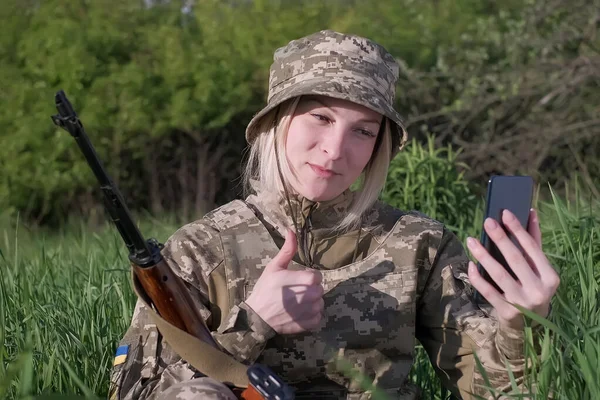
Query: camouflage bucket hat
x=337 y=65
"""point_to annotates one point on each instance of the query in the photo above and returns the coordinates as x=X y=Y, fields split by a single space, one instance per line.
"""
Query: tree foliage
x=519 y=93
x=165 y=92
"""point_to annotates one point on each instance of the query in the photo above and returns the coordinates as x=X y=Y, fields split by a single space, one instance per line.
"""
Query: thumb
x=286 y=253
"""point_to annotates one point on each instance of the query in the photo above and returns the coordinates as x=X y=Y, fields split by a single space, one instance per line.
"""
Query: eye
x=367 y=132
x=321 y=117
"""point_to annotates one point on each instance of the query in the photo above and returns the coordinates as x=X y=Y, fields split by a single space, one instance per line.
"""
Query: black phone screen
x=513 y=193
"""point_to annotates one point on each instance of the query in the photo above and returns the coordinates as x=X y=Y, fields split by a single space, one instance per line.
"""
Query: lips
x=322 y=172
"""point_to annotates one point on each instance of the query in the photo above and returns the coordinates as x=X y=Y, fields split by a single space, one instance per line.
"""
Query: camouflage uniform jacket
x=401 y=277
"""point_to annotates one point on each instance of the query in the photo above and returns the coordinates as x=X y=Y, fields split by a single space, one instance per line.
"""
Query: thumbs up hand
x=289 y=301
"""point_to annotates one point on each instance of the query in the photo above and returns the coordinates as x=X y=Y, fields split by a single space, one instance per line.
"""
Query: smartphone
x=513 y=193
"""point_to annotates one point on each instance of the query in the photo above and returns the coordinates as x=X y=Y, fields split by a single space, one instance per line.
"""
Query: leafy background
x=165 y=90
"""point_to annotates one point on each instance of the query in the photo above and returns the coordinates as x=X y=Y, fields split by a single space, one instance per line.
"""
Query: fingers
x=482 y=286
x=531 y=246
x=496 y=271
x=316 y=291
x=304 y=313
x=511 y=253
x=313 y=319
x=286 y=253
x=319 y=306
x=303 y=304
x=533 y=227
x=489 y=292
x=317 y=319
x=313 y=292
x=310 y=323
x=308 y=277
x=536 y=280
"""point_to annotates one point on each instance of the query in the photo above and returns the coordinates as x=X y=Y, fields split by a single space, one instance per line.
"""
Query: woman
x=305 y=271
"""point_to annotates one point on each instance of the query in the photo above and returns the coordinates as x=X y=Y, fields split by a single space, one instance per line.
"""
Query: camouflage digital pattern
x=153 y=371
x=409 y=282
x=337 y=65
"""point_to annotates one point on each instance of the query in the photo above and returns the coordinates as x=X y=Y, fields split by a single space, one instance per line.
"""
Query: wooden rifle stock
x=174 y=304
x=172 y=300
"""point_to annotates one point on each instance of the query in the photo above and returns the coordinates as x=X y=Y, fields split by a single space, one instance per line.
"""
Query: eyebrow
x=364 y=120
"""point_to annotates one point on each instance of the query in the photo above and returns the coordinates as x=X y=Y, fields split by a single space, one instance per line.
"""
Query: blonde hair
x=266 y=159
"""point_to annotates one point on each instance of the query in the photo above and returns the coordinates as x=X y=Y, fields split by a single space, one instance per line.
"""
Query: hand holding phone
x=525 y=277
x=513 y=193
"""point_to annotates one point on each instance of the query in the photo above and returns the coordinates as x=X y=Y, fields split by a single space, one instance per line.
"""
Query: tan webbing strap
x=202 y=356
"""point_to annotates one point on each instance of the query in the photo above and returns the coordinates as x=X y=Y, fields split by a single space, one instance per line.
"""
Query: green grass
x=569 y=364
x=65 y=301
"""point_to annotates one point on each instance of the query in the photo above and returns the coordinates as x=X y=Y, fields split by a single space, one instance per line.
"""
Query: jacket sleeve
x=195 y=253
x=145 y=364
x=453 y=328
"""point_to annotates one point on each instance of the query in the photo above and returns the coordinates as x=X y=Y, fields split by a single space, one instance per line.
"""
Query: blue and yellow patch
x=121 y=354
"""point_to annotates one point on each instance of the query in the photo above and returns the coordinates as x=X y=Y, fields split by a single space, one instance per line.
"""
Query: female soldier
x=305 y=271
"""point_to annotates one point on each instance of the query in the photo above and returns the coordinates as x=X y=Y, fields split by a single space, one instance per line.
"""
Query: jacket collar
x=300 y=212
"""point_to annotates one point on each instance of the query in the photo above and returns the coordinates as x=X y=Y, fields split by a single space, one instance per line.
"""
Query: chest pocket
x=363 y=310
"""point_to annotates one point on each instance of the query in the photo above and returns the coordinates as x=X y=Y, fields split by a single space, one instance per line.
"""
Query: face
x=329 y=143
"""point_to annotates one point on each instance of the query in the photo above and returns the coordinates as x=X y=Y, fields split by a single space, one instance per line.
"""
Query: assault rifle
x=167 y=291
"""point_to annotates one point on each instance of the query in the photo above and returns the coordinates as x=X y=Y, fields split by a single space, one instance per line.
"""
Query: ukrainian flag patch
x=121 y=354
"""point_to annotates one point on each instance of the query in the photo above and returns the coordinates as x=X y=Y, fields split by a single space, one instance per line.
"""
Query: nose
x=332 y=143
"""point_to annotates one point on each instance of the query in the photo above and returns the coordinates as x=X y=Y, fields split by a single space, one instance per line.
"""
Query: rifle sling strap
x=210 y=361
